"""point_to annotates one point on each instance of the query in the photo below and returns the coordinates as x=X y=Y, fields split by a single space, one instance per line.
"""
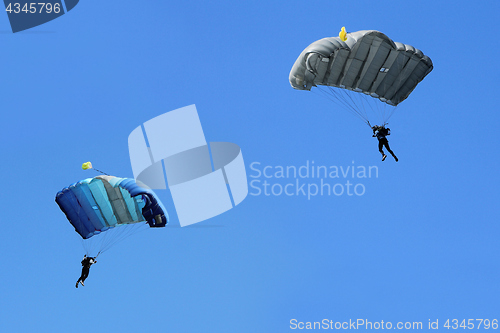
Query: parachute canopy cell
x=95 y=205
x=367 y=61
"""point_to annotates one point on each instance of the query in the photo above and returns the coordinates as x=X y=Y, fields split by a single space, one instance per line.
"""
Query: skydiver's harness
x=381 y=132
x=88 y=261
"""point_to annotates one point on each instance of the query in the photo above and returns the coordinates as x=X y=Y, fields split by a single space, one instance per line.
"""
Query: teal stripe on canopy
x=131 y=206
x=101 y=197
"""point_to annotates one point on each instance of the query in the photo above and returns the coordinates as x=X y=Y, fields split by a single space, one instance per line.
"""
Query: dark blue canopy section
x=70 y=4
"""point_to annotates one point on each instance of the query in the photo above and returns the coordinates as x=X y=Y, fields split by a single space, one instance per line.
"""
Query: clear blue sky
x=421 y=243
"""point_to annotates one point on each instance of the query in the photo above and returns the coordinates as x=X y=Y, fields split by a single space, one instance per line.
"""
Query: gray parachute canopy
x=368 y=62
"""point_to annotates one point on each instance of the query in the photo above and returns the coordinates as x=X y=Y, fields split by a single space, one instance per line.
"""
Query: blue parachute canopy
x=94 y=205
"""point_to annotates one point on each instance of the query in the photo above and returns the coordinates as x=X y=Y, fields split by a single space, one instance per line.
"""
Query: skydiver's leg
x=81 y=278
x=380 y=146
x=386 y=144
x=85 y=274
